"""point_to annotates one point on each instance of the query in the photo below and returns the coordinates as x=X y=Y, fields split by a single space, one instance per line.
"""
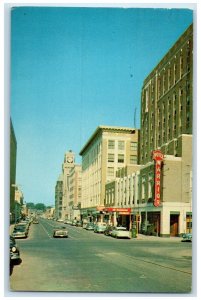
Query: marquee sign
x=118 y=209
x=158 y=157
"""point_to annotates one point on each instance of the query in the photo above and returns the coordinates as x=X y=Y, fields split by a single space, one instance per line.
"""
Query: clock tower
x=68 y=164
x=69 y=158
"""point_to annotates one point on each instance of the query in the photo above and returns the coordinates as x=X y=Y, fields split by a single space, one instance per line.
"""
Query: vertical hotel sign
x=158 y=157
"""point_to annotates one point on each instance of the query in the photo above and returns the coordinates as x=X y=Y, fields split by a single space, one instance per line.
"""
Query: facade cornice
x=102 y=128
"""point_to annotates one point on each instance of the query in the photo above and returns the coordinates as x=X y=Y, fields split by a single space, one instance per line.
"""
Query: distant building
x=58 y=197
x=75 y=192
x=108 y=149
x=13 y=157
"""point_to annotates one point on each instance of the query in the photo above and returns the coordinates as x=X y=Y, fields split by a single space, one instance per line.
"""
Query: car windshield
x=121 y=229
x=60 y=228
x=19 y=229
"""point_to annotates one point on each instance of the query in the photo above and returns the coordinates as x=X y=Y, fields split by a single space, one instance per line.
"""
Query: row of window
x=111 y=170
x=121 y=145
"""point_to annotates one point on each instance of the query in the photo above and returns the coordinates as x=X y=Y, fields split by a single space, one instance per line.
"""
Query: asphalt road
x=91 y=262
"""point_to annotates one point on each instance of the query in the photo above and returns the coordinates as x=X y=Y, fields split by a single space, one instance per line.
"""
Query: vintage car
x=35 y=221
x=60 y=231
x=14 y=251
x=120 y=232
x=100 y=228
x=20 y=231
x=90 y=226
x=187 y=237
x=108 y=229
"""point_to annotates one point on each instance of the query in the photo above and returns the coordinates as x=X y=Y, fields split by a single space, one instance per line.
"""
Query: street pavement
x=90 y=262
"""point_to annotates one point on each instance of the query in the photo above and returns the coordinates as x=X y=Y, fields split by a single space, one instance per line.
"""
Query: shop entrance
x=153 y=223
x=174 y=225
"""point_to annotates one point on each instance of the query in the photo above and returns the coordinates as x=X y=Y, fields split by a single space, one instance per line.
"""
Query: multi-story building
x=67 y=166
x=75 y=192
x=59 y=197
x=165 y=189
x=13 y=156
x=108 y=149
x=121 y=196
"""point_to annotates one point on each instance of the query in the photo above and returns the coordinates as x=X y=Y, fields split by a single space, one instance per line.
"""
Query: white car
x=60 y=231
x=120 y=232
x=60 y=220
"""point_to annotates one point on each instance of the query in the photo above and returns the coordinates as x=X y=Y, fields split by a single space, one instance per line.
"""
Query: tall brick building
x=166 y=125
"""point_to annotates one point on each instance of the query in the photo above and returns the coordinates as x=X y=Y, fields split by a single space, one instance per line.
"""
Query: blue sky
x=73 y=69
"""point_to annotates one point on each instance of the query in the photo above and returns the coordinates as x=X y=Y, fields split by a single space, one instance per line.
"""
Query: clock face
x=69 y=159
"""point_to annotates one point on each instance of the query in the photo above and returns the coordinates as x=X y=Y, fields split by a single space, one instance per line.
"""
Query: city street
x=91 y=262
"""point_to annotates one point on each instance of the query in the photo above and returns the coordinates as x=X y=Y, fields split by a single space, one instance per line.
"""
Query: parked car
x=20 y=232
x=35 y=221
x=14 y=251
x=120 y=232
x=89 y=226
x=108 y=229
x=187 y=237
x=79 y=224
x=84 y=224
x=60 y=231
x=60 y=220
x=100 y=228
x=74 y=222
x=25 y=226
x=68 y=222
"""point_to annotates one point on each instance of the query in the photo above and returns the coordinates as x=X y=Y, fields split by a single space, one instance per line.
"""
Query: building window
x=146 y=101
x=121 y=145
x=159 y=88
x=169 y=78
x=120 y=158
x=133 y=159
x=175 y=73
x=111 y=144
x=164 y=80
x=133 y=146
x=150 y=186
x=143 y=188
x=110 y=171
x=181 y=66
x=110 y=157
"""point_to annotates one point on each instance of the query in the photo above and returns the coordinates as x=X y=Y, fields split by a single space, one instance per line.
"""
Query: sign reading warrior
x=158 y=157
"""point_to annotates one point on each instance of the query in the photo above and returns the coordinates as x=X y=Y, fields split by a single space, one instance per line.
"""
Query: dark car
x=187 y=237
x=79 y=224
x=14 y=251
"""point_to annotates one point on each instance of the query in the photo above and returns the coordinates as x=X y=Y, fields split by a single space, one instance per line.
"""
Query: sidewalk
x=157 y=238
